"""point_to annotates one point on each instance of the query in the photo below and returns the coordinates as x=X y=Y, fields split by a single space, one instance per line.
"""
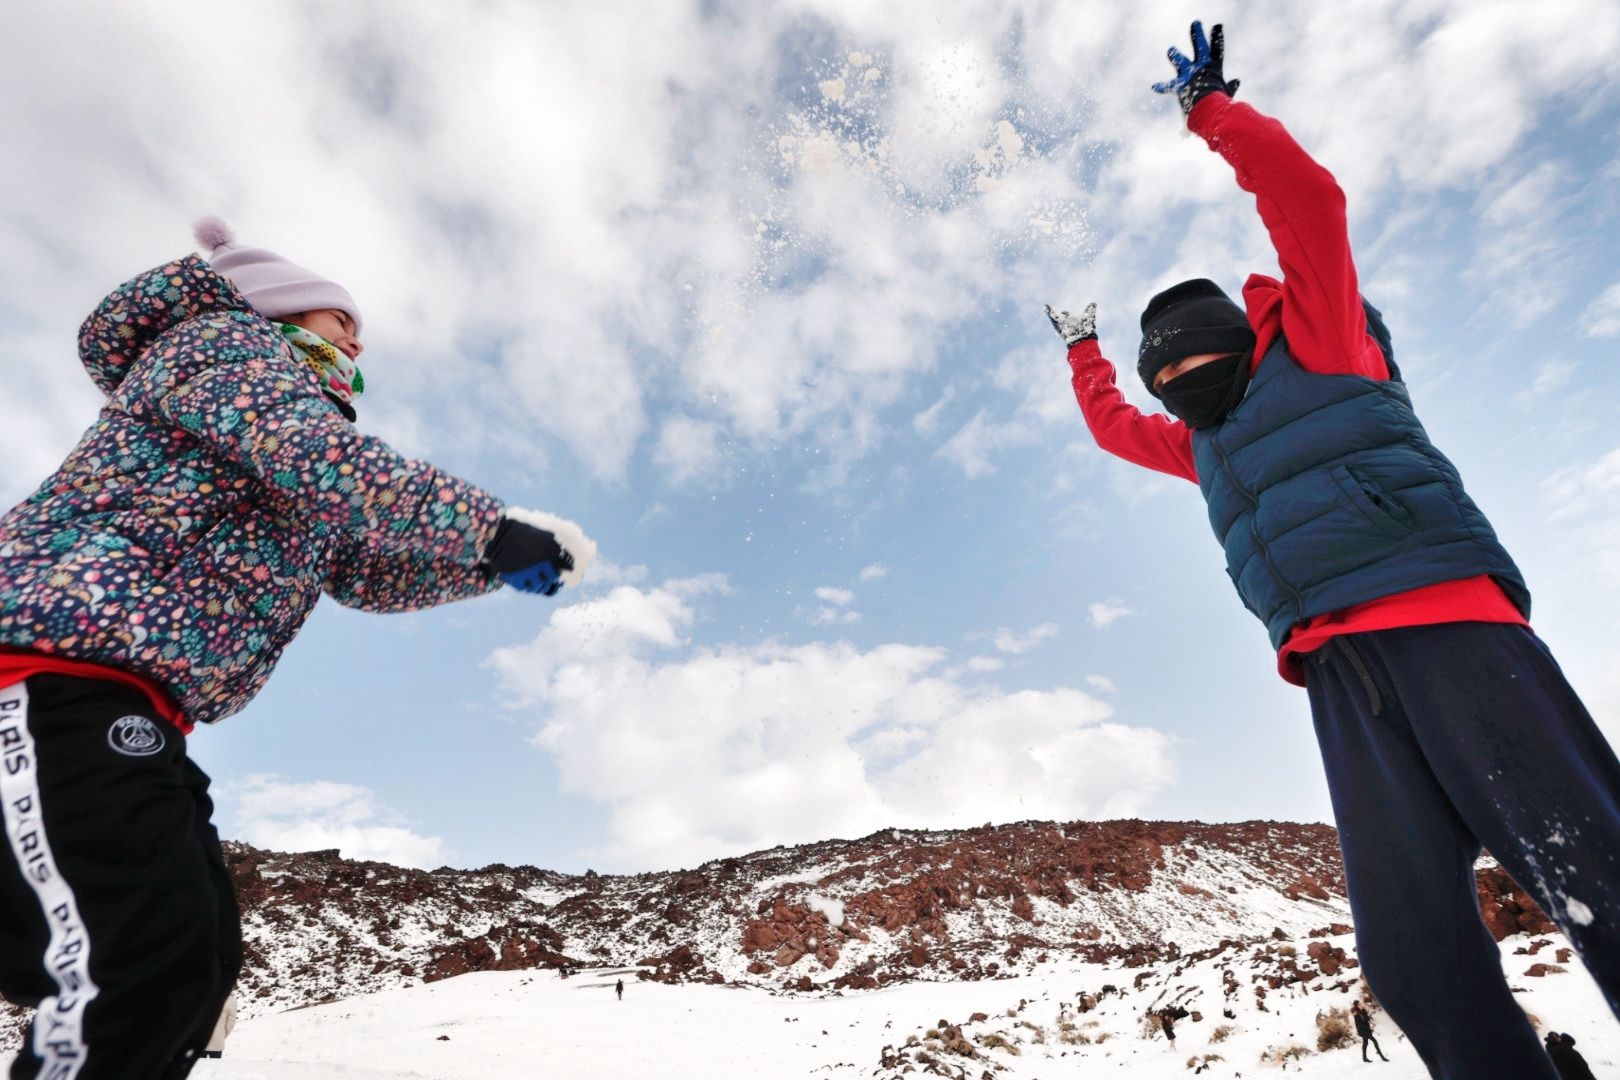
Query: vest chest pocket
x=1371 y=500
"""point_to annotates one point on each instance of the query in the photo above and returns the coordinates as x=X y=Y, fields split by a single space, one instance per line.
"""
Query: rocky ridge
x=840 y=915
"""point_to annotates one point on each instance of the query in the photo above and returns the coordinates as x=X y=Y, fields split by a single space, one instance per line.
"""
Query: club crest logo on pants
x=135 y=736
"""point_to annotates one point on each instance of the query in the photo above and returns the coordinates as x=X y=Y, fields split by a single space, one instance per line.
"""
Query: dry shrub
x=1292 y=1052
x=1101 y=1037
x=997 y=1042
x=1334 y=1030
x=1152 y=1028
x=1287 y=950
x=1070 y=1034
x=1222 y=1033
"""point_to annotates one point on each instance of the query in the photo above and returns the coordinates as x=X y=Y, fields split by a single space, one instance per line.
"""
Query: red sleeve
x=1303 y=209
x=1152 y=441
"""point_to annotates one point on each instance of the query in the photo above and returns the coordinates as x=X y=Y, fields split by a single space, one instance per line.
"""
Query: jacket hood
x=145 y=307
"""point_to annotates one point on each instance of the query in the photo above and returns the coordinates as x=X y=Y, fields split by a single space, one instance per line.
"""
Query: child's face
x=1184 y=365
x=333 y=325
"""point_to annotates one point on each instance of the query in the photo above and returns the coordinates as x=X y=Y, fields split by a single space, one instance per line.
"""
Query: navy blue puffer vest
x=1326 y=492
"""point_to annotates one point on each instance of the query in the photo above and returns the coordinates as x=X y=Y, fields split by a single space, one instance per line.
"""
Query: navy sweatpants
x=1438 y=740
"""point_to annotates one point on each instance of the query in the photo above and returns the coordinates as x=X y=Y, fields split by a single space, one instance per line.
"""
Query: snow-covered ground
x=523 y=1025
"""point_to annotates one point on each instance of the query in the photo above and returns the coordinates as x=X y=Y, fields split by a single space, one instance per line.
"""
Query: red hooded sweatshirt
x=1317 y=308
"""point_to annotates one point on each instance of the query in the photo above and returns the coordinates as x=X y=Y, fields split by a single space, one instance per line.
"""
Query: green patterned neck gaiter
x=340 y=376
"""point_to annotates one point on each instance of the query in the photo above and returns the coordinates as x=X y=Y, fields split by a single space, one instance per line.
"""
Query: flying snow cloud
x=701 y=751
x=289 y=815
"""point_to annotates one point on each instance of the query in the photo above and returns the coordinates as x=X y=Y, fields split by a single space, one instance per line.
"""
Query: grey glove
x=1073 y=328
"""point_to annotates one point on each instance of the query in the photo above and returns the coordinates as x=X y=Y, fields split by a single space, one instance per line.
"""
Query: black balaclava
x=1189 y=319
x=1205 y=395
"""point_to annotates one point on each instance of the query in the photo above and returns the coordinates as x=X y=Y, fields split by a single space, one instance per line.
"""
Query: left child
x=151 y=585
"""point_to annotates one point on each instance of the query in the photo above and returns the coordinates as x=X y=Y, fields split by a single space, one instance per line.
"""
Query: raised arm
x=1302 y=207
x=1153 y=441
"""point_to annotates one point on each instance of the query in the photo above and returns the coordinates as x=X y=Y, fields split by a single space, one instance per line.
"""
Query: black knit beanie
x=1189 y=319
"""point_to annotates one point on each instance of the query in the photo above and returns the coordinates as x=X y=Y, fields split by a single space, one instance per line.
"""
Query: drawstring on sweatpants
x=1375 y=700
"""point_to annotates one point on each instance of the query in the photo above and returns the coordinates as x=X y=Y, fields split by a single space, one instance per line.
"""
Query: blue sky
x=753 y=292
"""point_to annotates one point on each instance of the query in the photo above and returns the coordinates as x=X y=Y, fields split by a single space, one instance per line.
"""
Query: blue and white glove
x=527 y=558
x=1201 y=76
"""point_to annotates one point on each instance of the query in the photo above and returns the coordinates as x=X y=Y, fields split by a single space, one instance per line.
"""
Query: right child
x=1444 y=722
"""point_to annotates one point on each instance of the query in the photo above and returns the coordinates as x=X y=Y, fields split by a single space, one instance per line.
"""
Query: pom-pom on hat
x=274 y=286
x=1190 y=319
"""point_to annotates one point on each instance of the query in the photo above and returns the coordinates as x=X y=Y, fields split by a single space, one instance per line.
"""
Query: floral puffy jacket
x=189 y=534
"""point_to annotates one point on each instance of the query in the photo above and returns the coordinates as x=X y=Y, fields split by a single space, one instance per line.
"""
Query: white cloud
x=544 y=262
x=289 y=815
x=688 y=449
x=873 y=572
x=605 y=573
x=1105 y=613
x=926 y=422
x=1584 y=501
x=1520 y=257
x=1009 y=641
x=701 y=751
x=841 y=597
x=1551 y=375
x=1102 y=683
x=1582 y=488
x=1602 y=316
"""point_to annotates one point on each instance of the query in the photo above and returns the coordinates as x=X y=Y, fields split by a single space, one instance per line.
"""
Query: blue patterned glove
x=528 y=559
x=1201 y=76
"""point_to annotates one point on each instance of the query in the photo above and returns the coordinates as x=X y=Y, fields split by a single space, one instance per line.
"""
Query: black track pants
x=1438 y=739
x=117 y=918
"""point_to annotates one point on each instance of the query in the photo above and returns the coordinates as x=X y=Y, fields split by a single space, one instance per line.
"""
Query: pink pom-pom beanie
x=274 y=286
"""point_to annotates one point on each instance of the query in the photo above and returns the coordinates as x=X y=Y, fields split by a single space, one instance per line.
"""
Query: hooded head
x=275 y=287
x=1193 y=318
x=1196 y=345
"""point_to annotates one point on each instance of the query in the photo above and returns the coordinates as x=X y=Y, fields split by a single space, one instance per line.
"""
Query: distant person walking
x=1364 y=1028
x=619 y=989
x=1167 y=1020
x=1566 y=1059
x=222 y=1029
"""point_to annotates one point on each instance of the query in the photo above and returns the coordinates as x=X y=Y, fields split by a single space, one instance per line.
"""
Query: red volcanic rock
x=1506 y=908
x=1306 y=886
x=511 y=950
x=1329 y=959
